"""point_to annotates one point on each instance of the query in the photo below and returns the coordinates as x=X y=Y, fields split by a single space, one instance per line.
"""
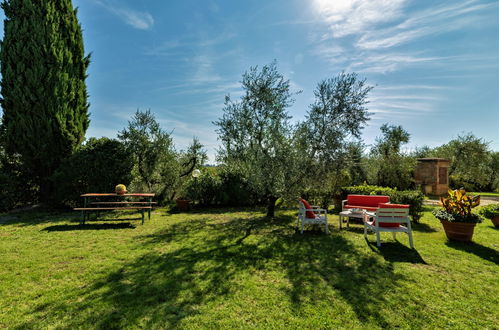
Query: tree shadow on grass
x=90 y=226
x=479 y=250
x=196 y=262
x=397 y=252
x=34 y=218
x=423 y=227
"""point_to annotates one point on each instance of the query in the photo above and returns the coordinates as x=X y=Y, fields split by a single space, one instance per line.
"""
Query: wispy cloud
x=141 y=20
x=424 y=23
x=346 y=17
x=375 y=28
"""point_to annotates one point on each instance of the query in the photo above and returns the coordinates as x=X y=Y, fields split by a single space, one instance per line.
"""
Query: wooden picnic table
x=99 y=205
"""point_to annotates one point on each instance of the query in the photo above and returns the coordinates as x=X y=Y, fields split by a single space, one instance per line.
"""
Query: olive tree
x=256 y=134
x=333 y=124
x=280 y=159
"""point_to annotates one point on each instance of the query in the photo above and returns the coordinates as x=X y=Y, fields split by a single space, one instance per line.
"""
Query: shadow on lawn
x=481 y=251
x=212 y=255
x=90 y=226
x=397 y=252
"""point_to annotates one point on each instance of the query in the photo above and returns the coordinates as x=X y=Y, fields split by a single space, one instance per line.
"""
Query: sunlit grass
x=237 y=269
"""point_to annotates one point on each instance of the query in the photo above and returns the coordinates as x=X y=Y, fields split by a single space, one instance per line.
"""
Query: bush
x=412 y=197
x=16 y=188
x=96 y=166
x=220 y=186
x=489 y=211
x=205 y=189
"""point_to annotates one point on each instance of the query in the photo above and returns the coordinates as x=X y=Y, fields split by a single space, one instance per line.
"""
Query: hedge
x=412 y=197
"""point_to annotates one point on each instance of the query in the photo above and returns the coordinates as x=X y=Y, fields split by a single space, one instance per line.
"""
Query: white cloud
x=138 y=19
x=377 y=27
x=346 y=17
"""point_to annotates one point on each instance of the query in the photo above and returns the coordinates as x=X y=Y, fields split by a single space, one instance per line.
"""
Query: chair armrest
x=343 y=202
x=317 y=210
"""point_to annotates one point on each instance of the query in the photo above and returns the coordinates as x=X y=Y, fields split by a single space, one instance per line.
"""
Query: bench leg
x=142 y=211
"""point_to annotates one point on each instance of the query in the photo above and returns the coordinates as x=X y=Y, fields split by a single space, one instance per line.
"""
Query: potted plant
x=456 y=216
x=491 y=212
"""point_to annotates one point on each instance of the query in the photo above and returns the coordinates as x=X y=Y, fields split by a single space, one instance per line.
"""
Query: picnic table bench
x=97 y=206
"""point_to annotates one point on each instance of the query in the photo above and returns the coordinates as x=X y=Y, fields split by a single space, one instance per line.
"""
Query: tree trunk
x=271 y=206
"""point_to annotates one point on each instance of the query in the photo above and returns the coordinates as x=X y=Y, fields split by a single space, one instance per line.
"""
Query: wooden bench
x=115 y=205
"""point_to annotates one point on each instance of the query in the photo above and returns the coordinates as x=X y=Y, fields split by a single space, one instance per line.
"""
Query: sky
x=434 y=65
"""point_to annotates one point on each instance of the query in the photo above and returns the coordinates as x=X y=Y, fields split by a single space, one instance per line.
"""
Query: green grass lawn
x=238 y=269
x=485 y=194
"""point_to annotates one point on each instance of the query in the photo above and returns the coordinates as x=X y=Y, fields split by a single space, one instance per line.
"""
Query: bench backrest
x=367 y=200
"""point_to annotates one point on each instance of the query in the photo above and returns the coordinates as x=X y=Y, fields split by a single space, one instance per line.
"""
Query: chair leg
x=327 y=231
x=394 y=234
x=378 y=243
x=302 y=227
x=365 y=231
x=410 y=239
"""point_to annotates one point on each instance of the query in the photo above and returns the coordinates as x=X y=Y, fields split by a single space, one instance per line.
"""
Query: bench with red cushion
x=365 y=202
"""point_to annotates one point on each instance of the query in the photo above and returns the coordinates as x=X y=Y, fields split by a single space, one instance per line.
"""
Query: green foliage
x=446 y=216
x=97 y=166
x=256 y=134
x=457 y=207
x=205 y=189
x=44 y=97
x=489 y=211
x=281 y=160
x=221 y=186
x=473 y=165
x=414 y=198
x=156 y=166
x=337 y=114
x=386 y=164
x=16 y=189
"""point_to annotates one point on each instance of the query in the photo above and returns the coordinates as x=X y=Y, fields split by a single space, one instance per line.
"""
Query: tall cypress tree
x=44 y=97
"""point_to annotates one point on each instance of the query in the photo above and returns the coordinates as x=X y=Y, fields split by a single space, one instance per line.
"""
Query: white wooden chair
x=304 y=216
x=393 y=214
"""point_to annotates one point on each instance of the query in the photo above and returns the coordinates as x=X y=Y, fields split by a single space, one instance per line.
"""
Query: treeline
x=264 y=156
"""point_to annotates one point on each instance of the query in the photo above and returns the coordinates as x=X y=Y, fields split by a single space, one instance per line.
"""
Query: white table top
x=356 y=214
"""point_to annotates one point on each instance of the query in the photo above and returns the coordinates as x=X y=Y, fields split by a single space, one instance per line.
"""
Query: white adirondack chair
x=320 y=216
x=390 y=213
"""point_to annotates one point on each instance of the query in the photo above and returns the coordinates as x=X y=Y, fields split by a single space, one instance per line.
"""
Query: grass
x=238 y=269
x=485 y=194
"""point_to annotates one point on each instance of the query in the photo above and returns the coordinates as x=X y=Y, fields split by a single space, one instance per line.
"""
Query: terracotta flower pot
x=458 y=231
x=495 y=221
x=183 y=204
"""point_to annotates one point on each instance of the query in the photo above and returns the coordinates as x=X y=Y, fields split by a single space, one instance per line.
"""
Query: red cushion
x=367 y=200
x=391 y=206
x=308 y=214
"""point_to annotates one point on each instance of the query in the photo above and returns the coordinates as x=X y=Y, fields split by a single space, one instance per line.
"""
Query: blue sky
x=435 y=64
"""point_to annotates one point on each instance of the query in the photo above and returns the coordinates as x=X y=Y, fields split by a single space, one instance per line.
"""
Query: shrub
x=220 y=186
x=412 y=197
x=489 y=211
x=205 y=189
x=16 y=188
x=97 y=166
